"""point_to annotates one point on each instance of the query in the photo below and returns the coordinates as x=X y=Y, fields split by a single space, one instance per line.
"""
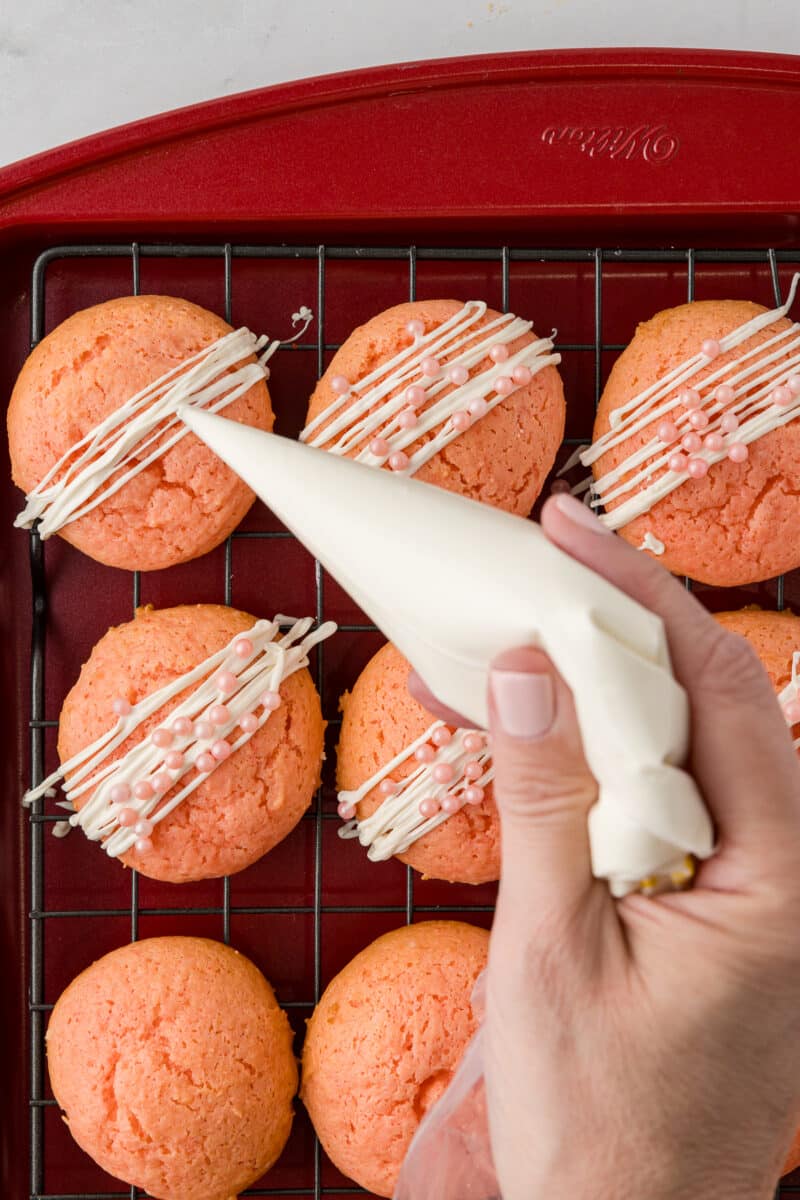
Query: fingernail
x=524 y=701
x=578 y=513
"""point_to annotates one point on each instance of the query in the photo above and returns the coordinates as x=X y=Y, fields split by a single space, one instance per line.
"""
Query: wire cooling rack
x=603 y=291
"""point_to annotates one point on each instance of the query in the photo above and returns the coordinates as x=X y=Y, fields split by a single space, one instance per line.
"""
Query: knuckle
x=728 y=663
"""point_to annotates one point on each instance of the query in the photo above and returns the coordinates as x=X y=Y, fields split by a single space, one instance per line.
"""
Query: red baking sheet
x=517 y=177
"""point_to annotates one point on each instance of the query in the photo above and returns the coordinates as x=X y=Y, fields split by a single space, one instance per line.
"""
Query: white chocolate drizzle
x=371 y=408
x=652 y=543
x=146 y=426
x=397 y=823
x=753 y=376
x=791 y=693
x=273 y=658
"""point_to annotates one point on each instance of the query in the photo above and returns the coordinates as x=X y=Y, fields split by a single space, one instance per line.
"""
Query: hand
x=648 y=1047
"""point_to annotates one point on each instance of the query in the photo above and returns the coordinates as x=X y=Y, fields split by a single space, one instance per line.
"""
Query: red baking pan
x=582 y=189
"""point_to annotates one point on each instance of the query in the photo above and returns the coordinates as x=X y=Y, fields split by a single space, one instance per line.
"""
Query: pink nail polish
x=524 y=702
x=578 y=513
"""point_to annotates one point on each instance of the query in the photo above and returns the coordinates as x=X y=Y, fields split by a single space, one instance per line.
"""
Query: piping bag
x=452 y=583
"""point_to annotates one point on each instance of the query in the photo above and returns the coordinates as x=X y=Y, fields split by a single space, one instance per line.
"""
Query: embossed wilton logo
x=653 y=143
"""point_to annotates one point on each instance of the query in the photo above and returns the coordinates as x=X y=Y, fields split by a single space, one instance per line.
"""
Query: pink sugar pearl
x=271 y=700
x=425 y=754
x=340 y=384
x=143 y=790
x=407 y=419
x=182 y=726
x=689 y=398
x=667 y=432
x=121 y=706
x=791 y=711
x=793 y=384
x=559 y=485
x=504 y=385
x=698 y=419
x=713 y=441
x=473 y=771
x=387 y=787
x=782 y=396
x=203 y=730
x=691 y=442
x=415 y=395
x=461 y=420
x=729 y=423
x=458 y=375
x=429 y=807
x=120 y=793
x=430 y=366
x=443 y=772
x=249 y=722
x=162 y=738
x=473 y=742
x=451 y=804
x=226 y=681
x=677 y=462
x=738 y=452
x=441 y=736
x=143 y=845
x=174 y=760
x=398 y=461
x=697 y=468
x=128 y=818
x=143 y=827
x=478 y=407
x=379 y=447
x=243 y=648
x=346 y=811
x=498 y=353
x=521 y=376
x=415 y=328
x=205 y=762
x=710 y=348
x=473 y=795
x=725 y=394
x=221 y=750
x=162 y=782
x=219 y=714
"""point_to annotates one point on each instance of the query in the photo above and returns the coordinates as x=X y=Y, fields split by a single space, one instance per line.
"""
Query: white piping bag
x=453 y=583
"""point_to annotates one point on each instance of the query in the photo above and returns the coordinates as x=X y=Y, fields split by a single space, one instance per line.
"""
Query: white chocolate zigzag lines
x=142 y=429
x=421 y=802
x=751 y=412
x=380 y=425
x=231 y=685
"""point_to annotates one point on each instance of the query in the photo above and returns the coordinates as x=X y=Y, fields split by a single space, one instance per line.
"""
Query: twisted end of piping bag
x=453 y=583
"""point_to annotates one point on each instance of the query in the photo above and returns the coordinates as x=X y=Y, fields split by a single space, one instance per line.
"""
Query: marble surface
x=71 y=67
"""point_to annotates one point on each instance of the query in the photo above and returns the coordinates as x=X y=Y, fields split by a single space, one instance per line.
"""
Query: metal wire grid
x=408 y=256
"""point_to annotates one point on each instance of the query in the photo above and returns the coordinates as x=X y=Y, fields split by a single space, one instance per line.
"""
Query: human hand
x=649 y=1046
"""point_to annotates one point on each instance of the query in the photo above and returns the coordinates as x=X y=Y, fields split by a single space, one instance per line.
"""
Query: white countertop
x=71 y=67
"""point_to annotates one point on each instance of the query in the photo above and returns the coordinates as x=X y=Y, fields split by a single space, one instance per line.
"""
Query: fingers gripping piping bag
x=453 y=583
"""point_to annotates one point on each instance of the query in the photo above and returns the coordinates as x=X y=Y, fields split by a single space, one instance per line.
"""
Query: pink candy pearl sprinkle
x=443 y=772
x=430 y=366
x=425 y=754
x=143 y=827
x=120 y=793
x=677 y=462
x=441 y=736
x=121 y=706
x=243 y=648
x=691 y=442
x=782 y=396
x=407 y=419
x=398 y=461
x=379 y=447
x=203 y=730
x=451 y=804
x=387 y=787
x=226 y=681
x=698 y=419
x=271 y=700
x=473 y=771
x=521 y=376
x=738 y=452
x=429 y=807
x=162 y=738
x=162 y=782
x=498 y=353
x=182 y=726
x=174 y=760
x=473 y=742
x=205 y=762
x=477 y=407
x=221 y=750
x=791 y=711
x=346 y=811
x=219 y=714
x=713 y=441
x=559 y=485
x=461 y=420
x=249 y=722
x=340 y=384
x=689 y=398
x=729 y=423
x=415 y=328
x=667 y=432
x=793 y=384
x=725 y=394
x=143 y=845
x=415 y=395
x=128 y=818
x=504 y=385
x=473 y=795
x=458 y=375
x=710 y=348
x=143 y=790
x=697 y=468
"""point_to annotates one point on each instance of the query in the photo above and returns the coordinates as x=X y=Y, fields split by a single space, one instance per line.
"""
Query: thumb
x=543 y=786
